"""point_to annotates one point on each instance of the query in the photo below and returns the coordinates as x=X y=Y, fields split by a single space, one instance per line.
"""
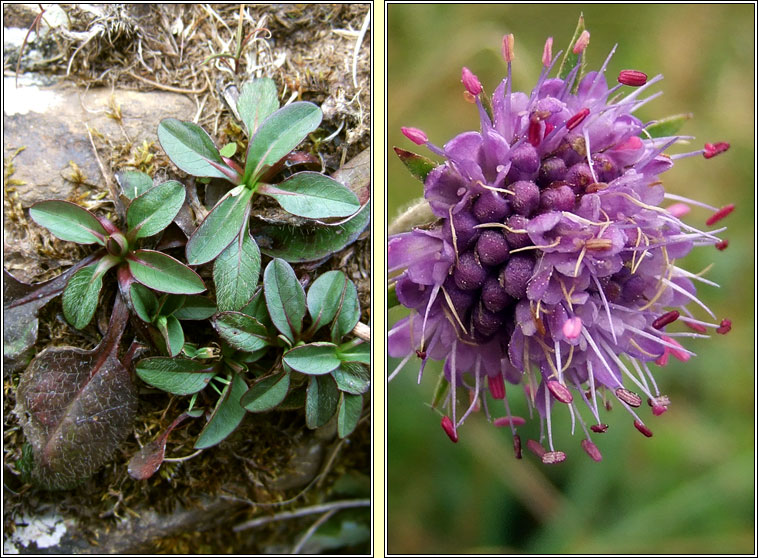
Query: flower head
x=553 y=264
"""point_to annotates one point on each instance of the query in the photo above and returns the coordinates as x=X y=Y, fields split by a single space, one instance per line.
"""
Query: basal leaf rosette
x=553 y=264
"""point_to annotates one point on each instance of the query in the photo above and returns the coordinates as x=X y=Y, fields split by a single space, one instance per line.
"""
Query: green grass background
x=690 y=488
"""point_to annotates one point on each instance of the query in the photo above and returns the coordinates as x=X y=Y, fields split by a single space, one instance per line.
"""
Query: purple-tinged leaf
x=267 y=393
x=179 y=376
x=349 y=413
x=149 y=459
x=192 y=150
x=164 y=273
x=68 y=221
x=321 y=401
x=226 y=416
x=76 y=407
x=236 y=271
x=355 y=174
x=257 y=100
x=154 y=210
x=285 y=298
x=220 y=227
x=352 y=377
x=144 y=302
x=241 y=331
x=309 y=243
x=312 y=195
x=279 y=134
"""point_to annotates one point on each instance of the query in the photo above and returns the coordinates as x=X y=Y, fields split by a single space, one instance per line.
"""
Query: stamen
x=679 y=352
x=678 y=209
x=535 y=447
x=695 y=326
x=642 y=428
x=447 y=426
x=582 y=42
x=560 y=391
x=713 y=149
x=722 y=245
x=575 y=120
x=415 y=135
x=666 y=319
x=534 y=132
x=591 y=450
x=634 y=78
x=508 y=41
x=471 y=82
x=628 y=397
x=599 y=428
x=725 y=327
x=547 y=52
x=517 y=446
x=720 y=214
x=497 y=386
x=552 y=457
x=509 y=421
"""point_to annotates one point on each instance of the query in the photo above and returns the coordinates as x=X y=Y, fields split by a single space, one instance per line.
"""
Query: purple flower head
x=553 y=263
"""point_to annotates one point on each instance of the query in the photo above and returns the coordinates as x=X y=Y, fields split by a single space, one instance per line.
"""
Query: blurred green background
x=689 y=488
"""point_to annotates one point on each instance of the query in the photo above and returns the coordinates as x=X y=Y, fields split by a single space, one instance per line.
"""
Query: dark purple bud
x=460 y=299
x=665 y=319
x=552 y=169
x=517 y=239
x=494 y=296
x=465 y=233
x=605 y=169
x=525 y=159
x=485 y=322
x=557 y=199
x=492 y=248
x=515 y=275
x=579 y=177
x=490 y=207
x=469 y=273
x=526 y=197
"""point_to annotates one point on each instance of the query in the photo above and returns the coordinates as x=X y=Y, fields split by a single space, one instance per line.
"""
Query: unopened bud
x=415 y=135
x=471 y=82
x=547 y=52
x=582 y=42
x=508 y=54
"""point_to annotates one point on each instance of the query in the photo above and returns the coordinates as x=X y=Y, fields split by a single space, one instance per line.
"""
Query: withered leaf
x=76 y=407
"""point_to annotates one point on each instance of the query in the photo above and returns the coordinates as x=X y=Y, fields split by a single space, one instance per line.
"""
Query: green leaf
x=348 y=314
x=226 y=416
x=285 y=298
x=258 y=99
x=313 y=195
x=321 y=401
x=324 y=297
x=192 y=150
x=81 y=294
x=309 y=243
x=358 y=353
x=256 y=308
x=392 y=299
x=172 y=333
x=164 y=273
x=279 y=134
x=153 y=211
x=133 y=182
x=295 y=400
x=219 y=228
x=68 y=221
x=236 y=271
x=144 y=302
x=266 y=393
x=179 y=376
x=241 y=331
x=349 y=413
x=352 y=377
x=418 y=165
x=668 y=126
x=228 y=150
x=313 y=359
x=170 y=304
x=195 y=307
x=570 y=59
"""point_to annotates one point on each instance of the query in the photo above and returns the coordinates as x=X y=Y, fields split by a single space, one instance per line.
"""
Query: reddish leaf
x=76 y=407
x=149 y=459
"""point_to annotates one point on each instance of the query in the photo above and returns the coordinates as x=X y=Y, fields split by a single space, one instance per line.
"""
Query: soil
x=272 y=463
